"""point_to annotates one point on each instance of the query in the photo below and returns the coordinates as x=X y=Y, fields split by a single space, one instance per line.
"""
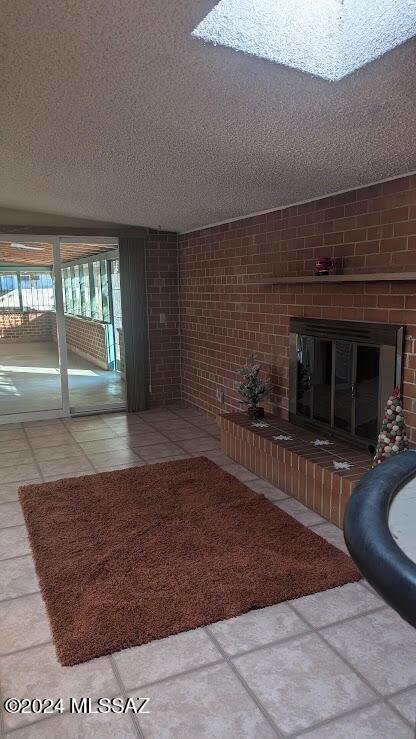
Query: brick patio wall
x=85 y=338
x=226 y=312
x=20 y=327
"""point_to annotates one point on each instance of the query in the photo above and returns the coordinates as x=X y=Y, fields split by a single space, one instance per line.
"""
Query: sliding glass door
x=30 y=372
x=93 y=327
x=61 y=337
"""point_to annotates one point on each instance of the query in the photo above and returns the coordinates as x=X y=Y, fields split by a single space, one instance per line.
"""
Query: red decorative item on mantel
x=324 y=266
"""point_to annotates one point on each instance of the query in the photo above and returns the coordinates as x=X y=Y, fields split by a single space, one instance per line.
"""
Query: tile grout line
x=273 y=643
x=27 y=649
x=109 y=452
x=318 y=633
x=77 y=443
x=192 y=455
x=84 y=454
x=191 y=423
x=245 y=685
x=381 y=697
x=327 y=722
x=156 y=430
x=177 y=443
x=34 y=456
x=15 y=556
x=388 y=702
x=117 y=675
x=399 y=692
x=17 y=597
x=342 y=621
x=181 y=673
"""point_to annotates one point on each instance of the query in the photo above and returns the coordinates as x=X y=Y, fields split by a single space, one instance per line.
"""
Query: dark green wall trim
x=135 y=231
x=133 y=305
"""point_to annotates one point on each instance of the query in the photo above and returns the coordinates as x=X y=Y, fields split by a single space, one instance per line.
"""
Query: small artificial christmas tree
x=252 y=389
x=392 y=438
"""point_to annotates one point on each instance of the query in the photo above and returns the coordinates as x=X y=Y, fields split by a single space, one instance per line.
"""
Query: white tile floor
x=334 y=664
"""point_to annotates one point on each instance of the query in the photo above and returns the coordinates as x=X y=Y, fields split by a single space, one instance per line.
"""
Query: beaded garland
x=392 y=438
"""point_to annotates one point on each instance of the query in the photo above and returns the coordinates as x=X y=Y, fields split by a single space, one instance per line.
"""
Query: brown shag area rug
x=133 y=555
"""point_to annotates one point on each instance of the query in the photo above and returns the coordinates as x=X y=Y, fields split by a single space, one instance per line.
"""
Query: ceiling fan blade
x=26 y=247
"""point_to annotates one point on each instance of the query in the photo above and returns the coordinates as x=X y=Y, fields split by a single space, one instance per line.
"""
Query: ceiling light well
x=325 y=38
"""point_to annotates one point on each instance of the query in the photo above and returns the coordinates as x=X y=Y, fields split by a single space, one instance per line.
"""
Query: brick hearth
x=296 y=466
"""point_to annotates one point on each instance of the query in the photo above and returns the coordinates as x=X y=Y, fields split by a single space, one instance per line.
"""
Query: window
x=97 y=292
x=87 y=289
x=9 y=292
x=28 y=290
x=116 y=300
x=37 y=290
x=69 y=303
x=76 y=292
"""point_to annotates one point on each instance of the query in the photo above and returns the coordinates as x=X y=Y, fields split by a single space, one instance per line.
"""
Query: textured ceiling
x=115 y=112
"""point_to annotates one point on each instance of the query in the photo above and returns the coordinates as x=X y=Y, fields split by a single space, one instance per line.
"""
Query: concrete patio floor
x=334 y=664
x=30 y=379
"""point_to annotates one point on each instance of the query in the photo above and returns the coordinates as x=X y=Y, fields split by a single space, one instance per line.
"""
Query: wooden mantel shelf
x=371 y=277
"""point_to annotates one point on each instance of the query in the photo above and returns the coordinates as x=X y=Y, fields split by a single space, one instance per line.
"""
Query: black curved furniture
x=370 y=543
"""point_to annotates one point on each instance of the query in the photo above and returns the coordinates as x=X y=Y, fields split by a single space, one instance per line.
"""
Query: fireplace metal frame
x=389 y=338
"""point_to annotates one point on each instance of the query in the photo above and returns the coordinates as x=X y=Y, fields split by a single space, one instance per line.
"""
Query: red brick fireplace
x=230 y=307
x=240 y=284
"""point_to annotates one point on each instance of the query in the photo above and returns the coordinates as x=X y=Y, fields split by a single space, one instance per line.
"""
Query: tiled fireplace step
x=315 y=469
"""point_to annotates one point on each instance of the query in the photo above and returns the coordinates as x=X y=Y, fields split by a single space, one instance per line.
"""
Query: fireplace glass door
x=341 y=385
x=322 y=380
x=344 y=354
x=367 y=391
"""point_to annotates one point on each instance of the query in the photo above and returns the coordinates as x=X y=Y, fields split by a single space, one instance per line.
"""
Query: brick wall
x=225 y=315
x=163 y=310
x=85 y=338
x=20 y=327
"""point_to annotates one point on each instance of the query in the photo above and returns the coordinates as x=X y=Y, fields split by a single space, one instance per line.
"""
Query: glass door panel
x=304 y=353
x=30 y=378
x=117 y=317
x=343 y=395
x=93 y=323
x=322 y=380
x=367 y=385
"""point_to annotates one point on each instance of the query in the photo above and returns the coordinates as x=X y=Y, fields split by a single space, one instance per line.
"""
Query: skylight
x=326 y=38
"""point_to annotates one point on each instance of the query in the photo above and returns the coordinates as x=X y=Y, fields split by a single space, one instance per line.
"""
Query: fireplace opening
x=341 y=374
